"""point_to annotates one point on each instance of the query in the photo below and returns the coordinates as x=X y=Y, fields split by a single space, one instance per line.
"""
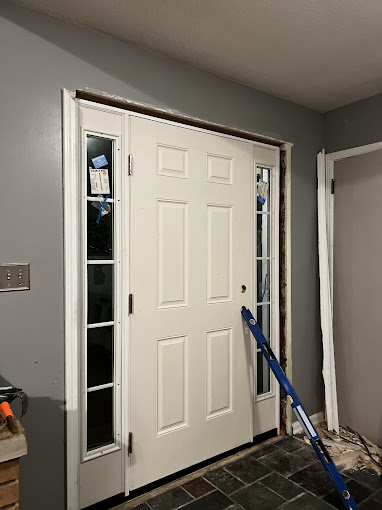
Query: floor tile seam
x=270 y=488
x=301 y=495
x=252 y=483
x=291 y=500
x=361 y=483
x=302 y=469
x=189 y=493
x=200 y=497
x=237 y=478
x=249 y=484
x=175 y=508
x=369 y=498
x=274 y=492
x=214 y=486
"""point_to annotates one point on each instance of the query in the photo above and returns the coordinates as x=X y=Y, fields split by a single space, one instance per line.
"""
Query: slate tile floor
x=282 y=475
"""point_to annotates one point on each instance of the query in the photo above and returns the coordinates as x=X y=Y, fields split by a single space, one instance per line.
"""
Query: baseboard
x=315 y=419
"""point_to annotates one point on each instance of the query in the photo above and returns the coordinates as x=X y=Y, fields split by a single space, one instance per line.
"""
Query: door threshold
x=143 y=494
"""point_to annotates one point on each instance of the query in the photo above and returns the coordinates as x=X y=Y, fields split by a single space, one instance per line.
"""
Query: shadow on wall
x=41 y=434
x=155 y=79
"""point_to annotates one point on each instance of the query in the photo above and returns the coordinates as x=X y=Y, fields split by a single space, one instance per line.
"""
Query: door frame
x=328 y=206
x=72 y=283
x=330 y=159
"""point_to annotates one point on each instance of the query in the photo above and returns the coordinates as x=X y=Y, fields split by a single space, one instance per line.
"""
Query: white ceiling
x=318 y=53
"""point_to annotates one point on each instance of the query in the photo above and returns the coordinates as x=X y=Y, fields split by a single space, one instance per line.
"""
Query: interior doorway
x=357 y=280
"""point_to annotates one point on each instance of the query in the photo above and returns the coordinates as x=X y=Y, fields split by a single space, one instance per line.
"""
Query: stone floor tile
x=247 y=469
x=371 y=505
x=213 y=501
x=307 y=502
x=314 y=479
x=256 y=497
x=265 y=450
x=358 y=491
x=290 y=444
x=224 y=481
x=198 y=487
x=174 y=498
x=282 y=486
x=368 y=477
x=284 y=463
x=308 y=454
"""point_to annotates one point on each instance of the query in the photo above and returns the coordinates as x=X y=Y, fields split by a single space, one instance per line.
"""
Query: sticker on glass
x=99 y=161
x=99 y=181
x=262 y=191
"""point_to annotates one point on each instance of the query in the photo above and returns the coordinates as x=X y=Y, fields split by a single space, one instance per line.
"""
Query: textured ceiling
x=318 y=53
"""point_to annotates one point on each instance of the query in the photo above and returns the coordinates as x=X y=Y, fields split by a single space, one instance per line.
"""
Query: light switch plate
x=14 y=276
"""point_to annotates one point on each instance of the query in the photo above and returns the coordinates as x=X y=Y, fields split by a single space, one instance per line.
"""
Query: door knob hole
x=243 y=288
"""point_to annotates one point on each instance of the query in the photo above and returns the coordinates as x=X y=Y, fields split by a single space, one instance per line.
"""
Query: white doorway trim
x=326 y=207
x=71 y=188
x=331 y=158
x=71 y=287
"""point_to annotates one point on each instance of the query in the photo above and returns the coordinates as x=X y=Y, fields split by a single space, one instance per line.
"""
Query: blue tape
x=99 y=161
x=261 y=199
x=101 y=208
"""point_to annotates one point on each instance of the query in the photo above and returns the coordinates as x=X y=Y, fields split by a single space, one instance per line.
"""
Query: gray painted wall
x=39 y=56
x=353 y=125
x=356 y=322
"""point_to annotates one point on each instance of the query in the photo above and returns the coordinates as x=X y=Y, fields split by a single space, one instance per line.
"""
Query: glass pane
x=100 y=356
x=97 y=146
x=263 y=281
x=264 y=175
x=100 y=293
x=100 y=418
x=263 y=375
x=263 y=235
x=100 y=235
x=264 y=320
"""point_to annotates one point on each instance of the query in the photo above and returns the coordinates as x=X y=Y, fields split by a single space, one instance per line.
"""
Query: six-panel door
x=190 y=246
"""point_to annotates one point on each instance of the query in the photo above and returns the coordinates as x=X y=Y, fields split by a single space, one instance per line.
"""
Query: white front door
x=191 y=365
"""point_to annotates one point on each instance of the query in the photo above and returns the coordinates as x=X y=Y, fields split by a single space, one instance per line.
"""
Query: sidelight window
x=263 y=278
x=100 y=373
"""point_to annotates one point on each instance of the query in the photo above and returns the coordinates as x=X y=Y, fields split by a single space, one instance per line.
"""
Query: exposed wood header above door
x=174 y=117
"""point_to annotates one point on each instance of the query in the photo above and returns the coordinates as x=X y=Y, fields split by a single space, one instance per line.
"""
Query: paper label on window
x=262 y=191
x=99 y=181
x=99 y=161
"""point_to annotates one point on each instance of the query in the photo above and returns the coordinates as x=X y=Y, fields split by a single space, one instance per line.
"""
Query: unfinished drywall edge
x=316 y=419
x=105 y=98
x=285 y=280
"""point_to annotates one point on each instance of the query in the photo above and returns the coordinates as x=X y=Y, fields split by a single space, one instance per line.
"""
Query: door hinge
x=130 y=444
x=332 y=189
x=130 y=164
x=131 y=304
